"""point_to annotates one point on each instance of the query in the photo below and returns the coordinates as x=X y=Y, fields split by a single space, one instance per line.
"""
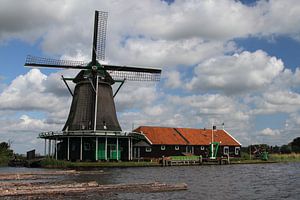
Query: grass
x=244 y=159
x=52 y=163
x=292 y=157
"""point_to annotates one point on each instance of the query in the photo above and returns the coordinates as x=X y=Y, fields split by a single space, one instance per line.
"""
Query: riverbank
x=272 y=158
x=52 y=163
x=60 y=164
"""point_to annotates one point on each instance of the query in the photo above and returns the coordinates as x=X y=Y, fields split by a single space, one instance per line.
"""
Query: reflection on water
x=256 y=181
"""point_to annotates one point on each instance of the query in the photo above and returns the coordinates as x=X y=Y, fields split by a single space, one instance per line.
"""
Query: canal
x=252 y=181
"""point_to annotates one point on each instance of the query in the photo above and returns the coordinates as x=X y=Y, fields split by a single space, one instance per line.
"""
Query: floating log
x=78 y=188
x=35 y=175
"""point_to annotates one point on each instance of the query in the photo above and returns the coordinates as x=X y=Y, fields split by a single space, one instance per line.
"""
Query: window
x=237 y=150
x=148 y=149
x=87 y=146
x=176 y=148
x=226 y=150
x=202 y=148
x=163 y=147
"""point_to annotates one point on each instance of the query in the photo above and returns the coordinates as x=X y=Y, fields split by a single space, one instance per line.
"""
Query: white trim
x=177 y=148
x=202 y=148
x=163 y=147
x=232 y=137
x=237 y=148
x=145 y=137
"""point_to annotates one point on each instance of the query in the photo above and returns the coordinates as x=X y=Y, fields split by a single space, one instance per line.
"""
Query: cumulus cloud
x=239 y=73
x=27 y=92
x=269 y=132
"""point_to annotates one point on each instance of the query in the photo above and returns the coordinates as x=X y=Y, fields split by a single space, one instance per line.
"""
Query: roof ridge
x=188 y=142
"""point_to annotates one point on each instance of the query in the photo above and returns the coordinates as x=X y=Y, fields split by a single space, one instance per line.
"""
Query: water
x=256 y=181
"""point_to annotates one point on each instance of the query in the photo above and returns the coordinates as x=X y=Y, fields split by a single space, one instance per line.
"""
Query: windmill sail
x=34 y=61
x=133 y=73
x=99 y=39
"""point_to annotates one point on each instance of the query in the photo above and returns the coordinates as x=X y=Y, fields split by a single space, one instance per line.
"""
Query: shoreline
x=100 y=165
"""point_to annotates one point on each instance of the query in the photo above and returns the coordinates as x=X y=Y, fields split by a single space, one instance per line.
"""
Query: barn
x=168 y=141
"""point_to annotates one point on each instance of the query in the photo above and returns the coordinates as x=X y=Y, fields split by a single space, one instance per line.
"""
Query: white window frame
x=237 y=150
x=176 y=148
x=226 y=150
x=162 y=147
x=148 y=149
x=202 y=148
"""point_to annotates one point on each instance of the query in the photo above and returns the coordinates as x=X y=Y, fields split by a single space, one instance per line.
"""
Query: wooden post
x=128 y=148
x=117 y=148
x=80 y=148
x=96 y=148
x=105 y=148
x=55 y=148
x=68 y=150
x=45 y=148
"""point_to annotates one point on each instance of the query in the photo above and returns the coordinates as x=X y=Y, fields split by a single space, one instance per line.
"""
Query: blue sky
x=227 y=61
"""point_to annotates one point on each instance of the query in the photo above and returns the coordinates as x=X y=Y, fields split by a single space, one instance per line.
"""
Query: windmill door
x=112 y=152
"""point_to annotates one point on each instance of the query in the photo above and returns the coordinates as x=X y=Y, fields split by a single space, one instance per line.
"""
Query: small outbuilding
x=168 y=141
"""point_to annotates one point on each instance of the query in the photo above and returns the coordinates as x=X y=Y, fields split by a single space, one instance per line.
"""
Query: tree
x=295 y=145
x=286 y=149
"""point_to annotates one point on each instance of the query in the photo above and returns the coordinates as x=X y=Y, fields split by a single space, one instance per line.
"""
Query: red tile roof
x=161 y=135
x=185 y=136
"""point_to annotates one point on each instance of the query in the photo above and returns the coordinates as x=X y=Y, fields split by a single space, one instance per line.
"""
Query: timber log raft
x=12 y=186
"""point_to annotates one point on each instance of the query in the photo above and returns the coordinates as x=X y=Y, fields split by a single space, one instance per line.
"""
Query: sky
x=228 y=61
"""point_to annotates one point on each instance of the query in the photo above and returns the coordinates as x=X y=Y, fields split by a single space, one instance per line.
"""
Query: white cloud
x=136 y=51
x=173 y=79
x=277 y=102
x=269 y=132
x=27 y=92
x=240 y=73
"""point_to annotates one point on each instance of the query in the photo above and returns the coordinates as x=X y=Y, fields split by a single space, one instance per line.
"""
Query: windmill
x=93 y=107
x=92 y=130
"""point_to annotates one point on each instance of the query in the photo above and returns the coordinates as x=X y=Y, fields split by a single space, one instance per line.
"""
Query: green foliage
x=52 y=163
x=285 y=149
x=5 y=153
x=295 y=145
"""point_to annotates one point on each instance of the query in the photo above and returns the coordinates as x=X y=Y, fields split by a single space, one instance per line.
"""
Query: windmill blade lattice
x=134 y=76
x=101 y=35
x=133 y=73
x=34 y=61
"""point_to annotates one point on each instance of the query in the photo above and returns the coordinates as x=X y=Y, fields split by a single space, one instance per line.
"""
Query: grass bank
x=52 y=163
x=292 y=157
x=245 y=158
